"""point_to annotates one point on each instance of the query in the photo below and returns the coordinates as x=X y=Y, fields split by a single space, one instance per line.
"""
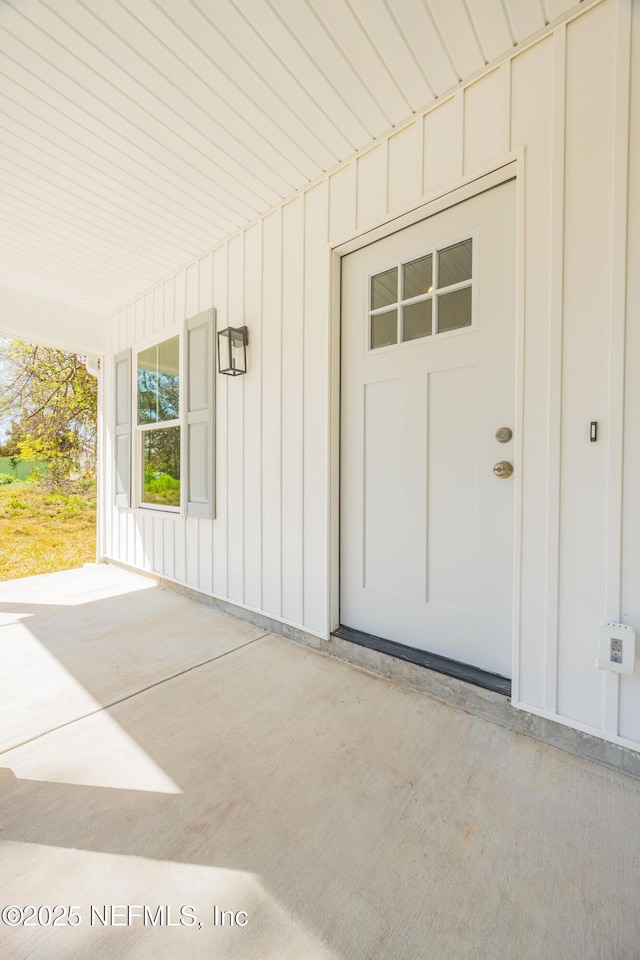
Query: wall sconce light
x=232 y=350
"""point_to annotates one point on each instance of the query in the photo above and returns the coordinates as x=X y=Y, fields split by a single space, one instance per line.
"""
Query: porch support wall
x=25 y=316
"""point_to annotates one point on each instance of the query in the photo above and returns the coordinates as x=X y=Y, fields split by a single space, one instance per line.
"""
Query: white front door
x=428 y=367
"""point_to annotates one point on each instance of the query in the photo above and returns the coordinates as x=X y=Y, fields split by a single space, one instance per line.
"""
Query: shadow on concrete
x=376 y=819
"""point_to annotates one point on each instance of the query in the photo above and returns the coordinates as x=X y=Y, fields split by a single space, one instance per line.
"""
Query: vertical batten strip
x=168 y=304
x=272 y=415
x=554 y=405
x=131 y=537
x=252 y=282
x=615 y=431
x=158 y=309
x=138 y=308
x=149 y=310
x=458 y=102
x=211 y=300
x=387 y=182
x=123 y=334
x=316 y=360
x=243 y=431
x=226 y=429
x=222 y=386
x=235 y=430
x=240 y=322
x=387 y=166
x=280 y=610
x=326 y=450
x=521 y=266
x=505 y=106
x=421 y=157
x=261 y=428
x=333 y=604
x=147 y=537
x=356 y=194
x=302 y=398
x=292 y=412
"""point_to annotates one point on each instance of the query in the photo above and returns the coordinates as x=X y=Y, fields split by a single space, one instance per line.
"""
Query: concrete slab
x=347 y=817
x=74 y=642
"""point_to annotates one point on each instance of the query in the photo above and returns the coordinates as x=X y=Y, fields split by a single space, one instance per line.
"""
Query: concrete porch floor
x=157 y=752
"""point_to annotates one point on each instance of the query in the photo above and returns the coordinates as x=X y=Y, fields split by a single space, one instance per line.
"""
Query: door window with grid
x=425 y=297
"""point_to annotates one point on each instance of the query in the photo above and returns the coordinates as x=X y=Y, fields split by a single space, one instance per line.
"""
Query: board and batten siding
x=561 y=105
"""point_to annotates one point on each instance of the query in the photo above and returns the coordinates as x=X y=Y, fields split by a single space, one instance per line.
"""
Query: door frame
x=512 y=167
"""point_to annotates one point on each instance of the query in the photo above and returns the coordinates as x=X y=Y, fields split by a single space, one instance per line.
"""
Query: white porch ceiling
x=134 y=134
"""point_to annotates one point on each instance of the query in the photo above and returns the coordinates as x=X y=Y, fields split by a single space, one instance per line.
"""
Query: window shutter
x=200 y=421
x=123 y=429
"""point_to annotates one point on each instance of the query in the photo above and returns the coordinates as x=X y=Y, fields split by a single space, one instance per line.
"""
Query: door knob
x=503 y=469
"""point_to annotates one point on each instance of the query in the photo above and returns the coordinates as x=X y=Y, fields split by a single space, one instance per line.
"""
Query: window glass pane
x=417 y=320
x=147 y=385
x=384 y=329
x=454 y=263
x=454 y=310
x=159 y=382
x=168 y=380
x=384 y=289
x=417 y=277
x=161 y=466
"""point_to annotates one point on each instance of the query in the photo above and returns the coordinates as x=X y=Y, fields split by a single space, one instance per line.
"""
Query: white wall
x=565 y=100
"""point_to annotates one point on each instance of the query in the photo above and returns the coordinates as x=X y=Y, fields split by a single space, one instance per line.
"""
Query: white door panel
x=426 y=526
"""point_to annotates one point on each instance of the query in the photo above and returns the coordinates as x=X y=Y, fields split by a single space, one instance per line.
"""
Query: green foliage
x=159 y=484
x=161 y=488
x=6 y=478
x=53 y=401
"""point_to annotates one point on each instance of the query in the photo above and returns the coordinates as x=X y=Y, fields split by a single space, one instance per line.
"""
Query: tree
x=51 y=400
x=10 y=447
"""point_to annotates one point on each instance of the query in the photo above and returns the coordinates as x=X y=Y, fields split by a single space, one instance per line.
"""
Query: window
x=169 y=456
x=425 y=297
x=158 y=393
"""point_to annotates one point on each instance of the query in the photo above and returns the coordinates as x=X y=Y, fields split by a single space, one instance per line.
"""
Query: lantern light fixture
x=232 y=351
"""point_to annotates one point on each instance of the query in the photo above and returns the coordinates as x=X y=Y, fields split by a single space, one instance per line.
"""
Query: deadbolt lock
x=503 y=469
x=504 y=434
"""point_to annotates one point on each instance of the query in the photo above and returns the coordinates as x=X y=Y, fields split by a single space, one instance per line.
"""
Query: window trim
x=171 y=333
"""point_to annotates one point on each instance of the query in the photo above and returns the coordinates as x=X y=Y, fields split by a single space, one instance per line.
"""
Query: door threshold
x=431 y=661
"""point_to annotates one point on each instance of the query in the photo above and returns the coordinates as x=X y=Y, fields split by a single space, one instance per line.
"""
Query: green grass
x=43 y=530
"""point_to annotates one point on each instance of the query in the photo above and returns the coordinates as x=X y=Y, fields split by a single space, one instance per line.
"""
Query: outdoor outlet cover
x=617 y=649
